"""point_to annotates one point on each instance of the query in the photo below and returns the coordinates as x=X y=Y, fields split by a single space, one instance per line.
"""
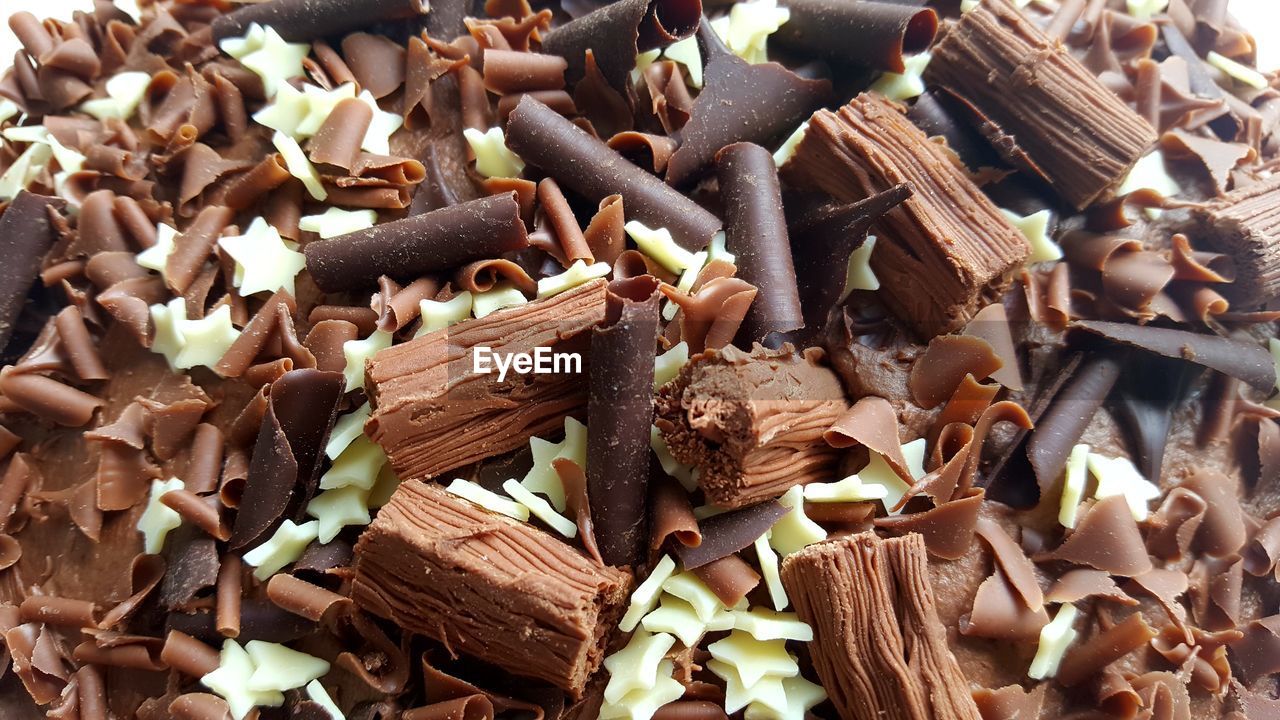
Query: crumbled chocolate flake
x=534 y=606
x=752 y=423
x=1032 y=87
x=878 y=645
x=408 y=248
x=868 y=33
x=943 y=263
x=617 y=32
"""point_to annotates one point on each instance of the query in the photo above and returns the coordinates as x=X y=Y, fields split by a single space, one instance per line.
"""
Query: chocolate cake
x=643 y=360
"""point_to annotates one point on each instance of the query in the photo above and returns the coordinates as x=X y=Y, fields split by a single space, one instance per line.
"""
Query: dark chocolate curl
x=414 y=246
x=1061 y=426
x=1242 y=360
x=727 y=533
x=867 y=33
x=756 y=229
x=25 y=236
x=741 y=102
x=619 y=31
x=619 y=412
x=306 y=20
x=544 y=138
x=285 y=467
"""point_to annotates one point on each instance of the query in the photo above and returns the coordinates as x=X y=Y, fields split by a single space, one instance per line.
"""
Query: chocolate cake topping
x=1238 y=359
x=727 y=533
x=305 y=20
x=871 y=33
x=615 y=33
x=27 y=235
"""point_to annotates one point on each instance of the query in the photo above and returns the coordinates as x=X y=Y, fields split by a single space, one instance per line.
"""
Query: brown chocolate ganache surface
x=962 y=367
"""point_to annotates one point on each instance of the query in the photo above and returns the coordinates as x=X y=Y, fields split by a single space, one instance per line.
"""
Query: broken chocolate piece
x=486 y=585
x=306 y=20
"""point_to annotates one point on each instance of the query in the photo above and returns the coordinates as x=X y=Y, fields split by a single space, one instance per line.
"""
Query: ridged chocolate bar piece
x=1246 y=224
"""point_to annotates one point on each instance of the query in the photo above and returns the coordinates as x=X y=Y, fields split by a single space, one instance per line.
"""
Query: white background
x=1261 y=17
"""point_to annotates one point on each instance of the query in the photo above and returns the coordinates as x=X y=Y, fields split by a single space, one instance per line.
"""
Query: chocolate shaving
x=729 y=532
x=1076 y=585
x=729 y=578
x=617 y=32
x=946 y=362
x=872 y=423
x=574 y=480
x=671 y=514
x=1071 y=411
x=286 y=457
x=47 y=398
x=1104 y=648
x=620 y=408
x=868 y=33
x=1246 y=361
x=561 y=605
x=1106 y=538
x=26 y=234
x=947 y=529
x=418 y=245
x=1221 y=532
x=306 y=20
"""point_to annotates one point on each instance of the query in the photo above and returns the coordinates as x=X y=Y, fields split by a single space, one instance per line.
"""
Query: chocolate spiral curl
x=867 y=33
x=580 y=162
x=418 y=245
x=26 y=234
x=756 y=229
x=306 y=20
x=617 y=32
x=620 y=406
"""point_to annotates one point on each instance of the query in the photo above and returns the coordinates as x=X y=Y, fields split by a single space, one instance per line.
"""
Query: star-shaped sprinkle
x=693 y=590
x=858 y=274
x=754 y=659
x=1144 y=9
x=1073 y=485
x=168 y=321
x=763 y=624
x=356 y=466
x=358 y=351
x=795 y=531
x=124 y=93
x=503 y=295
x=238 y=47
x=635 y=667
x=231 y=682
x=336 y=221
x=1118 y=476
x=716 y=249
x=348 y=427
x=269 y=57
x=206 y=340
x=284 y=546
x=377 y=139
x=298 y=165
x=488 y=500
x=440 y=314
x=158 y=519
x=878 y=472
x=383 y=487
x=686 y=53
x=493 y=157
x=336 y=509
x=643 y=704
x=1035 y=228
x=801 y=697
x=645 y=597
x=24 y=169
x=768 y=560
x=1055 y=638
x=156 y=256
x=908 y=84
x=850 y=489
x=320 y=696
x=320 y=103
x=677 y=617
x=1149 y=174
x=667 y=365
x=276 y=667
x=766 y=691
x=264 y=262
x=8 y=109
x=749 y=26
x=542 y=477
x=577 y=274
x=660 y=246
x=541 y=509
x=287 y=111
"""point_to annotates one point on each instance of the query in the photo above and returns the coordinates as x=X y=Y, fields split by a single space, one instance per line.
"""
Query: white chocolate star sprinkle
x=767 y=691
x=231 y=682
x=667 y=365
x=8 y=109
x=348 y=427
x=283 y=547
x=1118 y=476
x=716 y=249
x=158 y=519
x=858 y=274
x=168 y=321
x=676 y=617
x=503 y=295
x=1073 y=485
x=358 y=351
x=693 y=590
x=541 y=509
x=356 y=466
x=685 y=283
x=749 y=26
x=264 y=262
x=336 y=221
x=279 y=668
x=801 y=696
x=336 y=509
x=768 y=560
x=635 y=667
x=320 y=696
x=124 y=93
x=645 y=597
x=878 y=472
x=263 y=51
x=644 y=704
x=795 y=531
x=542 y=477
x=660 y=246
x=298 y=165
x=1238 y=72
x=493 y=157
x=440 y=314
x=1144 y=9
x=206 y=340
x=686 y=53
x=754 y=659
x=1149 y=174
x=904 y=86
x=289 y=110
x=155 y=257
x=788 y=147
x=1055 y=638
x=578 y=273
x=1035 y=228
x=763 y=624
x=850 y=489
x=488 y=500
x=25 y=168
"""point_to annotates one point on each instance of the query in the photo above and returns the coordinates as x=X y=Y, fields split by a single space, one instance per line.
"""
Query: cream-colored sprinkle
x=1073 y=485
x=578 y=273
x=356 y=466
x=1145 y=9
x=763 y=624
x=231 y=682
x=267 y=54
x=206 y=340
x=645 y=597
x=24 y=170
x=348 y=427
x=687 y=54
x=320 y=696
x=156 y=256
x=158 y=519
x=693 y=590
x=659 y=245
x=1118 y=476
x=643 y=61
x=493 y=157
x=644 y=704
x=167 y=339
x=377 y=140
x=908 y=84
x=358 y=351
x=795 y=531
x=635 y=667
x=1149 y=174
x=336 y=509
x=503 y=295
x=488 y=500
x=290 y=109
x=878 y=472
x=541 y=509
x=299 y=166
x=276 y=667
x=283 y=547
x=336 y=221
x=1035 y=228
x=676 y=617
x=8 y=109
x=858 y=274
x=767 y=691
x=1055 y=638
x=768 y=560
x=124 y=93
x=440 y=314
x=801 y=697
x=850 y=489
x=749 y=26
x=542 y=477
x=384 y=487
x=667 y=365
x=787 y=149
x=754 y=659
x=684 y=474
x=685 y=283
x=1237 y=71
x=716 y=249
x=264 y=261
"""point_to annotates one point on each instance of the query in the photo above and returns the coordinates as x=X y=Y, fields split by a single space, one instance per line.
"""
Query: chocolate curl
x=197 y=511
x=248 y=187
x=199 y=706
x=79 y=345
x=338 y=140
x=192 y=247
x=484 y=275
x=1106 y=538
x=604 y=235
x=286 y=458
x=730 y=578
x=145 y=574
x=671 y=514
x=619 y=31
x=756 y=229
x=727 y=533
x=1246 y=361
x=256 y=334
x=946 y=362
x=586 y=165
x=556 y=208
x=325 y=342
x=376 y=62
x=710 y=317
x=1072 y=410
x=303 y=598
x=47 y=398
x=620 y=408
x=574 y=480
x=397 y=310
x=52 y=610
x=471 y=707
x=867 y=33
x=188 y=655
x=741 y=102
x=1104 y=648
x=419 y=245
x=508 y=71
x=26 y=234
x=872 y=423
x=307 y=20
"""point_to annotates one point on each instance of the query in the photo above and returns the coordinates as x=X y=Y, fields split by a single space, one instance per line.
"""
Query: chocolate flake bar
x=1246 y=224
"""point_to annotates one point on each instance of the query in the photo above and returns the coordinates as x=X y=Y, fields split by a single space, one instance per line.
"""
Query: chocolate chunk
x=741 y=102
x=756 y=230
x=619 y=31
x=752 y=423
x=286 y=460
x=868 y=33
x=1246 y=225
x=619 y=414
x=878 y=644
x=1239 y=359
x=727 y=533
x=26 y=234
x=544 y=138
x=488 y=586
x=949 y=249
x=306 y=20
x=1080 y=137
x=408 y=248
x=434 y=413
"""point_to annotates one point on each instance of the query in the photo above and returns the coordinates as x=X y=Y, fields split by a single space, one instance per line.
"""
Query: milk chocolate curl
x=756 y=229
x=408 y=248
x=1246 y=225
x=79 y=345
x=302 y=598
x=49 y=399
x=620 y=411
x=199 y=706
x=1072 y=410
x=867 y=33
x=1077 y=134
x=545 y=139
x=188 y=655
x=878 y=646
x=338 y=140
x=306 y=20
x=508 y=71
x=617 y=32
x=26 y=234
